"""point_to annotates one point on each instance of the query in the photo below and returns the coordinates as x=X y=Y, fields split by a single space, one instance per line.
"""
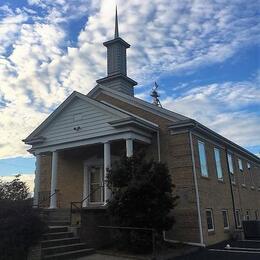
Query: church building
x=217 y=181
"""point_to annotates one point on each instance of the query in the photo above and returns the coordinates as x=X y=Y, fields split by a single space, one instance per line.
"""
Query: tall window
x=210 y=220
x=238 y=218
x=250 y=174
x=203 y=160
x=218 y=163
x=240 y=165
x=231 y=168
x=225 y=218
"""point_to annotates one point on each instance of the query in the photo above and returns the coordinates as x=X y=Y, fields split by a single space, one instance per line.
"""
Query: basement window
x=238 y=218
x=210 y=220
x=225 y=218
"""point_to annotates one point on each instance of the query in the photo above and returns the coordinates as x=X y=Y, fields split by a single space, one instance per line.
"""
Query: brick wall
x=216 y=194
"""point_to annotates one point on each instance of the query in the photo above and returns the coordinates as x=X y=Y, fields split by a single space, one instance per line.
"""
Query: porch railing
x=46 y=198
x=76 y=206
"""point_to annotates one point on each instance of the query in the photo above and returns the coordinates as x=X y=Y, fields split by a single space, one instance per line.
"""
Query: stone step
x=63 y=248
x=57 y=235
x=55 y=229
x=70 y=254
x=60 y=242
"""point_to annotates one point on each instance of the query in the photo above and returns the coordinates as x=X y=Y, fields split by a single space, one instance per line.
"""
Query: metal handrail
x=73 y=203
x=46 y=199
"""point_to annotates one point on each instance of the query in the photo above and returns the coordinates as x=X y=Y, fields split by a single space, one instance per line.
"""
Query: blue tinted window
x=203 y=160
x=218 y=163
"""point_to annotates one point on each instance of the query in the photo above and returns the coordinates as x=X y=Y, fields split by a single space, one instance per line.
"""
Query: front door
x=96 y=188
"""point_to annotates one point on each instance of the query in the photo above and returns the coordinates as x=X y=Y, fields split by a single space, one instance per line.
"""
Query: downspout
x=201 y=244
x=196 y=189
x=231 y=189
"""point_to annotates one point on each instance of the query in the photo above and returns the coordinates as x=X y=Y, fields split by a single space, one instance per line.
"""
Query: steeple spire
x=116 y=25
x=116 y=65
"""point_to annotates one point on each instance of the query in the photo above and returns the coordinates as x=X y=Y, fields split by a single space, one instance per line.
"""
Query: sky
x=204 y=55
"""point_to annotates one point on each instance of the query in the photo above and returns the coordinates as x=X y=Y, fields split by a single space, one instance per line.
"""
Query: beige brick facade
x=176 y=152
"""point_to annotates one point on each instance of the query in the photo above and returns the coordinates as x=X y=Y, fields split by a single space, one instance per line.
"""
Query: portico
x=89 y=163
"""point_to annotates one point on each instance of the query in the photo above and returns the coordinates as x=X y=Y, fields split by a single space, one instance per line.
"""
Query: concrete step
x=58 y=223
x=70 y=254
x=60 y=242
x=57 y=235
x=63 y=248
x=55 y=229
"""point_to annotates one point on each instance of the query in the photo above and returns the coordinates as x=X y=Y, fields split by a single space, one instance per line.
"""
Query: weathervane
x=155 y=95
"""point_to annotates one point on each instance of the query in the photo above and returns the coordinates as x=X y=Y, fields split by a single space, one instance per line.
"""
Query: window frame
x=241 y=170
x=247 y=215
x=227 y=219
x=250 y=172
x=201 y=159
x=238 y=217
x=212 y=220
x=218 y=166
x=231 y=168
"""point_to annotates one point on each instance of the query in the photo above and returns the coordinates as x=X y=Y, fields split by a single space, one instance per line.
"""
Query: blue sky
x=203 y=54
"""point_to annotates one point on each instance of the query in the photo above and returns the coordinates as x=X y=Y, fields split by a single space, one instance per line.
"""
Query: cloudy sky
x=203 y=54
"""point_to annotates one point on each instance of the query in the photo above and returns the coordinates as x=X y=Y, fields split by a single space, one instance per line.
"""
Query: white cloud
x=40 y=67
x=223 y=107
x=27 y=178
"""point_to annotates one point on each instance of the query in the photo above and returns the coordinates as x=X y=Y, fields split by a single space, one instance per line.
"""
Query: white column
x=129 y=147
x=107 y=166
x=37 y=180
x=54 y=171
x=85 y=186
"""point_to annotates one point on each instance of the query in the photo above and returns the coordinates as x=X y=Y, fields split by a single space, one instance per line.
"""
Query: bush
x=20 y=228
x=142 y=197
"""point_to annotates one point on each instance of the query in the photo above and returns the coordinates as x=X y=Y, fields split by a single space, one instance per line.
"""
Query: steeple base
x=119 y=82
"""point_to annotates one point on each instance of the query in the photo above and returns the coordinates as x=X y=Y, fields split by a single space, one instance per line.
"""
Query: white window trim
x=225 y=210
x=212 y=218
x=239 y=215
x=240 y=164
x=207 y=175
x=247 y=215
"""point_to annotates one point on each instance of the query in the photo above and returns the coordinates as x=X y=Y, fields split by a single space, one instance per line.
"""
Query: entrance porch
x=78 y=174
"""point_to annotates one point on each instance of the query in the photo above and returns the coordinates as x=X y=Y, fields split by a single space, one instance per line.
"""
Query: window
x=210 y=221
x=218 y=163
x=247 y=217
x=231 y=169
x=225 y=218
x=240 y=164
x=250 y=174
x=238 y=218
x=256 y=214
x=203 y=160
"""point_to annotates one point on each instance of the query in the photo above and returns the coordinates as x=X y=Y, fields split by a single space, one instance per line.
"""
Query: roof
x=179 y=121
x=168 y=114
x=195 y=125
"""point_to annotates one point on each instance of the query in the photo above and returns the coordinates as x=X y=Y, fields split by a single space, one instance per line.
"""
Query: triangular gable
x=165 y=113
x=106 y=109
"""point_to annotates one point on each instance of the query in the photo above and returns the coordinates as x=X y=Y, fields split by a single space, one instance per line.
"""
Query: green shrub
x=142 y=197
x=20 y=228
